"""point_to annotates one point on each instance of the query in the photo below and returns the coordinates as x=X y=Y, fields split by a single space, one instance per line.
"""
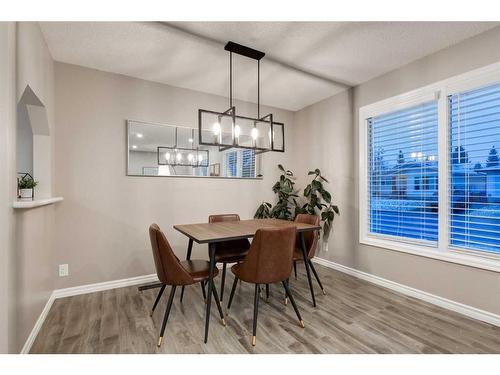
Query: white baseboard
x=458 y=307
x=38 y=324
x=83 y=289
x=97 y=287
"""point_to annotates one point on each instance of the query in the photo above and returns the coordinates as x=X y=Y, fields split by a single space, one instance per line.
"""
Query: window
x=248 y=163
x=231 y=164
x=474 y=126
x=429 y=170
x=404 y=145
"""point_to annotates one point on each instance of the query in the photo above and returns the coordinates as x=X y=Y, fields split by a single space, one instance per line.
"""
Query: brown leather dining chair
x=311 y=240
x=269 y=260
x=226 y=252
x=171 y=271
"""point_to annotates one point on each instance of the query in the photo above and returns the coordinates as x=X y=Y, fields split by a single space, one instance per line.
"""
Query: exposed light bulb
x=134 y=147
x=216 y=128
x=190 y=140
x=255 y=133
x=179 y=156
x=413 y=154
x=237 y=131
x=200 y=158
x=167 y=156
x=190 y=157
x=139 y=135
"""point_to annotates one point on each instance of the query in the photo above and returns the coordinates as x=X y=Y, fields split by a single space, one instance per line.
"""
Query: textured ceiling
x=305 y=61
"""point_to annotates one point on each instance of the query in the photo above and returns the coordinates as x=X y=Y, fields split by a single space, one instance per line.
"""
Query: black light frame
x=194 y=150
x=256 y=55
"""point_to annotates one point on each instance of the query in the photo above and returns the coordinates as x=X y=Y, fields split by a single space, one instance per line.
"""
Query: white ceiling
x=305 y=61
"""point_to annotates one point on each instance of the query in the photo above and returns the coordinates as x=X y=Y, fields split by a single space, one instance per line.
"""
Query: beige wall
x=102 y=223
x=7 y=185
x=328 y=121
x=34 y=228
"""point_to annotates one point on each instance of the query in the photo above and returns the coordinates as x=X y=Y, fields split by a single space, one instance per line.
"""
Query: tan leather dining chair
x=233 y=251
x=171 y=271
x=269 y=260
x=311 y=240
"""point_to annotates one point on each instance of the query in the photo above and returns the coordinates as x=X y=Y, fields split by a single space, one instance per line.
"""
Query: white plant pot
x=26 y=193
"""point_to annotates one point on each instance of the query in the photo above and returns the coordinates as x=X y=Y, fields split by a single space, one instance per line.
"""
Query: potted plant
x=26 y=184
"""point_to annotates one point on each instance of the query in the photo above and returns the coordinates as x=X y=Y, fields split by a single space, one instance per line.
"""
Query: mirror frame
x=127 y=143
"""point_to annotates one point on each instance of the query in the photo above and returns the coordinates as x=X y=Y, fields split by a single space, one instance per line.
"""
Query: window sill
x=20 y=204
x=486 y=261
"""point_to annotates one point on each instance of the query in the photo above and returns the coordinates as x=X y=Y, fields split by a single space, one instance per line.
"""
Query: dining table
x=211 y=233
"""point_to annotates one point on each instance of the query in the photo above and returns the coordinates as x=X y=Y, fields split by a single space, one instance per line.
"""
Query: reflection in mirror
x=165 y=150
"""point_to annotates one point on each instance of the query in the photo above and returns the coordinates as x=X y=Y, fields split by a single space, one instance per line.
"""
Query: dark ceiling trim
x=286 y=65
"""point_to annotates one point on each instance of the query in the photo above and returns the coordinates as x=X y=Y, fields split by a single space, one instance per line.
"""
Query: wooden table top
x=232 y=230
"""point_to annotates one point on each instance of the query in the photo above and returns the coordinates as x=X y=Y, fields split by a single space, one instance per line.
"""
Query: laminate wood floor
x=354 y=317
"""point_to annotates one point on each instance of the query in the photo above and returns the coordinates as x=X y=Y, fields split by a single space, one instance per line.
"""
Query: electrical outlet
x=63 y=270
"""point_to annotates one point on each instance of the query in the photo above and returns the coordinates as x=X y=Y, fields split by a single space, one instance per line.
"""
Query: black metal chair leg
x=233 y=289
x=223 y=281
x=295 y=269
x=202 y=285
x=157 y=299
x=188 y=257
x=209 y=291
x=308 y=271
x=289 y=294
x=267 y=292
x=221 y=314
x=316 y=276
x=255 y=313
x=167 y=313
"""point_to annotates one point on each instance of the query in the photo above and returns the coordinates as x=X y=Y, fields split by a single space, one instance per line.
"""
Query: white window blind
x=248 y=163
x=231 y=164
x=403 y=174
x=474 y=123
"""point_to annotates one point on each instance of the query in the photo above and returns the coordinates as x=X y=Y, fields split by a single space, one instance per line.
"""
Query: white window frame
x=438 y=91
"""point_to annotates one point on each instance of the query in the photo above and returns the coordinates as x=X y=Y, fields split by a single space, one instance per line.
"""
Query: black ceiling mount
x=244 y=50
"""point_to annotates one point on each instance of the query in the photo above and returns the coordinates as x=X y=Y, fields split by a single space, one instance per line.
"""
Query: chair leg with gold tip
x=316 y=276
x=233 y=289
x=255 y=313
x=223 y=281
x=157 y=299
x=267 y=292
x=289 y=294
x=217 y=302
x=167 y=313
x=295 y=269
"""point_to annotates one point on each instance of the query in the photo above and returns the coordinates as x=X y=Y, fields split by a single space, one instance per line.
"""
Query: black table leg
x=304 y=253
x=211 y=251
x=188 y=257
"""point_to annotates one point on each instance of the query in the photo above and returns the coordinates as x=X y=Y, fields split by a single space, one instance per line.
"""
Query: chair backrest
x=242 y=244
x=168 y=266
x=269 y=259
x=310 y=238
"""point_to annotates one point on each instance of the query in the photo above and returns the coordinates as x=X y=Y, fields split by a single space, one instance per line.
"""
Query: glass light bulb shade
x=237 y=131
x=216 y=128
x=255 y=133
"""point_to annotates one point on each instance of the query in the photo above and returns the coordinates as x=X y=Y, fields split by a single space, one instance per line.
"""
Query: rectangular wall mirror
x=168 y=150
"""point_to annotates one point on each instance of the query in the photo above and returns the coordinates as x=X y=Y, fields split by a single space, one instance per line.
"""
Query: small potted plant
x=26 y=184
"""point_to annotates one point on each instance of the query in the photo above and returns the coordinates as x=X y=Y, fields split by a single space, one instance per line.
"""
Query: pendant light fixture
x=228 y=130
x=179 y=156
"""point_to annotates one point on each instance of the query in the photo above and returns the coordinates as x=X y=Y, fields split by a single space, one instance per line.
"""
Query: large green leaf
x=281 y=167
x=326 y=196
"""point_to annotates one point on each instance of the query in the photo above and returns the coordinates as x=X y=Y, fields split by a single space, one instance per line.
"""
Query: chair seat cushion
x=198 y=269
x=231 y=251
